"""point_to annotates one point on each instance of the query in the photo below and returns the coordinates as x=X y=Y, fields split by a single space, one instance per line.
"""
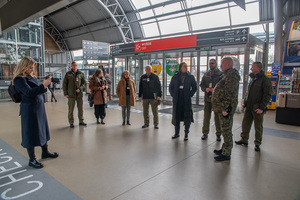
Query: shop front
x=165 y=55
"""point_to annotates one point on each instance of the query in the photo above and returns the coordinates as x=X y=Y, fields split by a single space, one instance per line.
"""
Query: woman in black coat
x=34 y=125
x=182 y=87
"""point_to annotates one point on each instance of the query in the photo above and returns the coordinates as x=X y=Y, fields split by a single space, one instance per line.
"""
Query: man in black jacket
x=256 y=100
x=150 y=91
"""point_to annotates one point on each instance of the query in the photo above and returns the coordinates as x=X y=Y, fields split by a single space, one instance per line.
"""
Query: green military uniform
x=225 y=98
x=258 y=95
x=71 y=83
x=213 y=77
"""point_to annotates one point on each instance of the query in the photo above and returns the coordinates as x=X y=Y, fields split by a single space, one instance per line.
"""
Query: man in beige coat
x=126 y=92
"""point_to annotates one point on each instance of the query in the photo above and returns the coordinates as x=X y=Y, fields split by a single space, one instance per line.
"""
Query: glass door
x=119 y=69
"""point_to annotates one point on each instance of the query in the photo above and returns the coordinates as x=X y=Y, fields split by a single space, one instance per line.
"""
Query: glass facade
x=24 y=41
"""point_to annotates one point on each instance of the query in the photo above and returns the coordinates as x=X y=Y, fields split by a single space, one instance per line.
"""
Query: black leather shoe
x=175 y=136
x=218 y=152
x=128 y=123
x=71 y=125
x=218 y=138
x=156 y=127
x=123 y=124
x=49 y=155
x=204 y=137
x=145 y=126
x=82 y=124
x=240 y=142
x=186 y=138
x=222 y=158
x=257 y=148
x=35 y=163
x=102 y=121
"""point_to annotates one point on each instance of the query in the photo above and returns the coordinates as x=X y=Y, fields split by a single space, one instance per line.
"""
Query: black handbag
x=91 y=99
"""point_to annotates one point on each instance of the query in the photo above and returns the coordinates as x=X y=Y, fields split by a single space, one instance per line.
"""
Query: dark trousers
x=177 y=128
x=99 y=111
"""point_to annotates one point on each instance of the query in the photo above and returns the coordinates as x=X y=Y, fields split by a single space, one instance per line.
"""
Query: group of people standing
x=221 y=97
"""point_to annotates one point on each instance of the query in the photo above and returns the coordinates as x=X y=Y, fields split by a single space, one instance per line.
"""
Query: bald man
x=224 y=103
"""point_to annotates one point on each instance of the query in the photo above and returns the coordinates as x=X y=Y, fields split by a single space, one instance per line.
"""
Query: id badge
x=148 y=79
x=127 y=88
x=210 y=85
x=77 y=79
x=181 y=87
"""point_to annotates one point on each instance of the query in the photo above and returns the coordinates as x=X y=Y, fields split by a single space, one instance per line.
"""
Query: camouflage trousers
x=249 y=117
x=206 y=119
x=226 y=130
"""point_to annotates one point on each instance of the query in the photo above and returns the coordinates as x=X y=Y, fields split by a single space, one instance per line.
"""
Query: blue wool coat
x=34 y=124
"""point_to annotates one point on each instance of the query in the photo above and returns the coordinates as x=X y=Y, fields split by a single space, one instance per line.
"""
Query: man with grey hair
x=150 y=91
x=256 y=100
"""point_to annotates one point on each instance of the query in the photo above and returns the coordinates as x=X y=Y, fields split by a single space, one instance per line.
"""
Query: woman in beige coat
x=98 y=88
x=126 y=92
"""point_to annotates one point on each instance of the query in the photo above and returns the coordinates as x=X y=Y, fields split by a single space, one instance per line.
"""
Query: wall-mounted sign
x=168 y=43
x=205 y=40
x=123 y=48
x=235 y=36
x=171 y=66
x=156 y=67
x=94 y=50
x=292 y=53
x=276 y=67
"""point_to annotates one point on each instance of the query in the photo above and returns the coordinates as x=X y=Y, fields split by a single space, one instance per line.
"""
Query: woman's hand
x=46 y=82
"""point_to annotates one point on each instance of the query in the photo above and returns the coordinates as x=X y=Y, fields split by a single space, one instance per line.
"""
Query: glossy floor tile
x=112 y=161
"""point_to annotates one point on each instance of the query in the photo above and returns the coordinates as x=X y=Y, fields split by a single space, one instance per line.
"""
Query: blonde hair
x=123 y=74
x=23 y=66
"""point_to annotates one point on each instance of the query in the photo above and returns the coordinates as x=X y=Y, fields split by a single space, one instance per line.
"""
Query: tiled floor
x=127 y=162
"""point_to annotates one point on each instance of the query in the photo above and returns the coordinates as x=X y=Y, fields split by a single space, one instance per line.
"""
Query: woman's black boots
x=33 y=162
x=47 y=154
x=186 y=131
x=176 y=135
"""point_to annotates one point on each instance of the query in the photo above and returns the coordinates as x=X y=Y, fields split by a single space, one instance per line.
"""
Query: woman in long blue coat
x=34 y=125
x=182 y=87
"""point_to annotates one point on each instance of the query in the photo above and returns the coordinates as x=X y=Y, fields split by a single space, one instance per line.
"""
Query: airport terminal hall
x=150 y=100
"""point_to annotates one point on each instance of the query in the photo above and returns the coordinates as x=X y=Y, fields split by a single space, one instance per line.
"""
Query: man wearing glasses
x=208 y=82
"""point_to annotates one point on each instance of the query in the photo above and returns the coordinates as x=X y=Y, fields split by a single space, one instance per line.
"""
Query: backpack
x=15 y=96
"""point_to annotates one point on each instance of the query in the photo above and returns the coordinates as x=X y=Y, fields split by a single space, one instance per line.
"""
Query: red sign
x=168 y=43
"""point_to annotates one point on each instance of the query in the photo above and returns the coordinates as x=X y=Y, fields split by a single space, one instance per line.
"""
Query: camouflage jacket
x=226 y=91
x=210 y=76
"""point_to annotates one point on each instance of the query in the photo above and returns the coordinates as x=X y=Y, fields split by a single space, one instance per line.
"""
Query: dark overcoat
x=189 y=89
x=34 y=124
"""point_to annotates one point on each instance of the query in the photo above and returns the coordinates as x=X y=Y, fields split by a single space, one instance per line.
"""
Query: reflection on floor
x=112 y=161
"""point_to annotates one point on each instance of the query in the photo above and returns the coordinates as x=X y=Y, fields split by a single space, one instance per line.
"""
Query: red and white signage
x=168 y=43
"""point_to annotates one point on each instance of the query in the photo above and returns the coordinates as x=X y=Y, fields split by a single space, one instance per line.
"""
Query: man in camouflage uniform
x=256 y=99
x=208 y=82
x=224 y=103
x=73 y=85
